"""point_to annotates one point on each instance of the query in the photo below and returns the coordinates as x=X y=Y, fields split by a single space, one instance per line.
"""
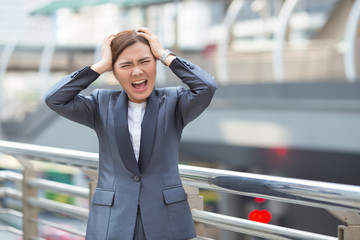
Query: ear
x=113 y=72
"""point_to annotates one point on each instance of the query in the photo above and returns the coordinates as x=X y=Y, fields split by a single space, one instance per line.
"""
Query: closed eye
x=145 y=61
x=124 y=65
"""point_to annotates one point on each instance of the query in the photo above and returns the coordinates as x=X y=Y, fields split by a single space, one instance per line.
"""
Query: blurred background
x=287 y=104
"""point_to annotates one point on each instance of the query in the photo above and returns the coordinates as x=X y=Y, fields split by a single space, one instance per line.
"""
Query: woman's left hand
x=155 y=45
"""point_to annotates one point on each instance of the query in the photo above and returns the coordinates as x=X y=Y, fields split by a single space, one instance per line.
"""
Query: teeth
x=138 y=82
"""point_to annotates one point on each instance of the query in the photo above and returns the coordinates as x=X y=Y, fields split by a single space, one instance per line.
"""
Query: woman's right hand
x=105 y=63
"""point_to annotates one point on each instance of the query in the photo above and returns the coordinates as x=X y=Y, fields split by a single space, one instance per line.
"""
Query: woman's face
x=135 y=69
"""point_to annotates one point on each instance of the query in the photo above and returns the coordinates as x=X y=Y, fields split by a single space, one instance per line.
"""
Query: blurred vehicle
x=50 y=233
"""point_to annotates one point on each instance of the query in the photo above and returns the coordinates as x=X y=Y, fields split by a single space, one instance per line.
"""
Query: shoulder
x=169 y=91
x=99 y=92
x=105 y=94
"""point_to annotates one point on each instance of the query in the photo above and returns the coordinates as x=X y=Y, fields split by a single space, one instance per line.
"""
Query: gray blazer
x=154 y=184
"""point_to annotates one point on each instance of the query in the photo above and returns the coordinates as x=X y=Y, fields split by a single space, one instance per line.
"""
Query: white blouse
x=136 y=113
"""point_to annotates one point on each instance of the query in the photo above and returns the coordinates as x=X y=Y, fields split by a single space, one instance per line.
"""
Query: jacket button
x=137 y=178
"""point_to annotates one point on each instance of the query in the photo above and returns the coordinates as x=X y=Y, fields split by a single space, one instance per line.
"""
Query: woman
x=139 y=193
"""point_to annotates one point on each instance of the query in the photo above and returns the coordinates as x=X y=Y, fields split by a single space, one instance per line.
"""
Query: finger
x=108 y=39
x=143 y=29
x=146 y=36
x=111 y=38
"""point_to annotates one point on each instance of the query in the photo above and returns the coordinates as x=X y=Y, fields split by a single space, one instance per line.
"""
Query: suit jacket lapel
x=148 y=129
x=123 y=136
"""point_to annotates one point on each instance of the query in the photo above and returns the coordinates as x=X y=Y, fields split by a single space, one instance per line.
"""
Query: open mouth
x=139 y=85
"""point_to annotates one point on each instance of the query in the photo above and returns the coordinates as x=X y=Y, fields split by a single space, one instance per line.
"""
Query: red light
x=281 y=151
x=259 y=200
x=263 y=216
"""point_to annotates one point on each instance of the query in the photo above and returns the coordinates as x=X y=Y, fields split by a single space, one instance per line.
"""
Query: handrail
x=218 y=220
x=268 y=231
x=305 y=192
x=57 y=226
x=11 y=229
x=9 y=192
x=331 y=196
x=11 y=212
x=59 y=187
x=63 y=208
x=44 y=184
x=51 y=154
x=10 y=175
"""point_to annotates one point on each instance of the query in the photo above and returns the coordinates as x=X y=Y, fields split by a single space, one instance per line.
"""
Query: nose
x=137 y=71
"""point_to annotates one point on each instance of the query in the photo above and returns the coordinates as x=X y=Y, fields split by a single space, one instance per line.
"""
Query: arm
x=201 y=84
x=202 y=87
x=64 y=97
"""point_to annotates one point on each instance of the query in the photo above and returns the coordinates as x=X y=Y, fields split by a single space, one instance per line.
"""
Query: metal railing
x=341 y=200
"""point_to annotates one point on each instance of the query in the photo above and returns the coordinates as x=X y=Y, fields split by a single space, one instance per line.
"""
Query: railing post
x=351 y=229
x=351 y=232
x=30 y=214
x=195 y=201
x=93 y=177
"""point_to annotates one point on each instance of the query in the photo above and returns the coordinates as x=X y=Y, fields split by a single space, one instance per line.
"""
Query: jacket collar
x=148 y=129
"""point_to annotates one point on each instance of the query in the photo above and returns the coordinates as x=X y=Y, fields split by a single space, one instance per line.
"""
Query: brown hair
x=123 y=40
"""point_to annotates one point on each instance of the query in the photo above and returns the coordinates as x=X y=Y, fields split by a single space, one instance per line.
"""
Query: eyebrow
x=125 y=63
x=129 y=62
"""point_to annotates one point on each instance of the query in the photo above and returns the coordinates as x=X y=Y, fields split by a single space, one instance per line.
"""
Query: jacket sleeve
x=193 y=101
x=64 y=97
